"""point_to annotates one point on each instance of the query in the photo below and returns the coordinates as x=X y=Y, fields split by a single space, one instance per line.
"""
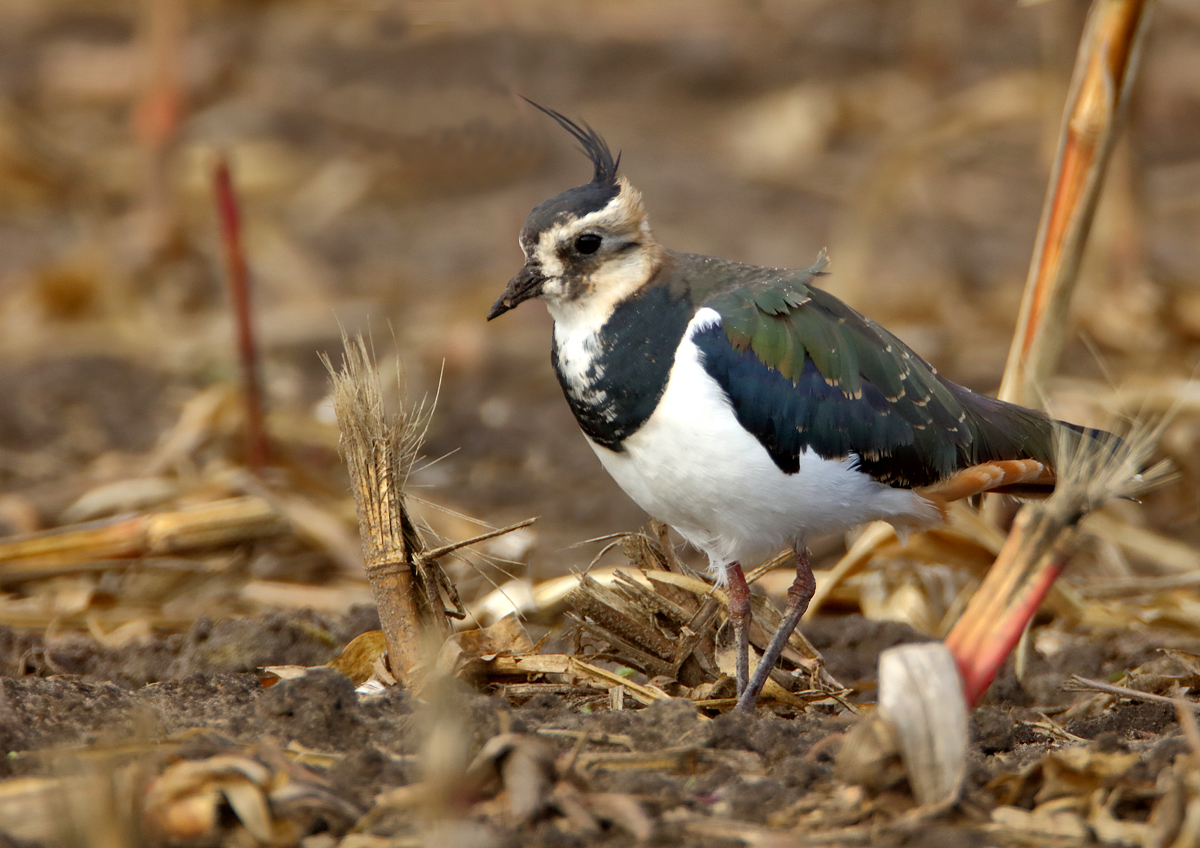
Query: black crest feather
x=594 y=147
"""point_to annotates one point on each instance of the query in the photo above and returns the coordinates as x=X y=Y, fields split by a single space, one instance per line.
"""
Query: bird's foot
x=799 y=595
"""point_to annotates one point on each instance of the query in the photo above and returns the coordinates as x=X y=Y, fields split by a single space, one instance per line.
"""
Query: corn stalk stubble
x=1105 y=68
x=379 y=452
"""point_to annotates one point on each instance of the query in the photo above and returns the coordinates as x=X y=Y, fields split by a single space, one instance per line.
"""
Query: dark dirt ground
x=197 y=696
x=385 y=168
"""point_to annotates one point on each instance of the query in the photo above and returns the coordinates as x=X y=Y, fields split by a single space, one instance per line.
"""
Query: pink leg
x=799 y=595
x=739 y=614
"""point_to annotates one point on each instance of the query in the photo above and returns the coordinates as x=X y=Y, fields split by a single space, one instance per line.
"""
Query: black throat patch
x=625 y=380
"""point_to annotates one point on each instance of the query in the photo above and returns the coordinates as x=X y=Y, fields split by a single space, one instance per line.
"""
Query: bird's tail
x=1030 y=476
x=1001 y=475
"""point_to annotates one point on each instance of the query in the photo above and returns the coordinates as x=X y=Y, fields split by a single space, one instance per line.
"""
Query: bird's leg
x=799 y=595
x=739 y=614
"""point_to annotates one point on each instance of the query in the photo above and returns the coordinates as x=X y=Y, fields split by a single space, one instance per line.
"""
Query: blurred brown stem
x=258 y=449
x=1104 y=71
x=159 y=109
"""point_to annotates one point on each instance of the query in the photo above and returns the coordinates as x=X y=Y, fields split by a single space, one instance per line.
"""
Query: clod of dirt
x=732 y=730
x=1163 y=753
x=358 y=620
x=484 y=711
x=769 y=736
x=1127 y=720
x=16 y=648
x=115 y=400
x=676 y=720
x=41 y=712
x=800 y=772
x=651 y=787
x=851 y=644
x=1007 y=689
x=366 y=771
x=754 y=800
x=993 y=730
x=244 y=644
x=223 y=703
x=132 y=666
x=319 y=710
x=79 y=654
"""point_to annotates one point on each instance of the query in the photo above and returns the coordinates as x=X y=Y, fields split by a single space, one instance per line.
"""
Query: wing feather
x=803 y=371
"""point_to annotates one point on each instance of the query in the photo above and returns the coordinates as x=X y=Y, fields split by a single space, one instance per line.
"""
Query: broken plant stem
x=1084 y=684
x=1104 y=72
x=379 y=454
x=437 y=553
x=1043 y=539
x=258 y=451
x=993 y=622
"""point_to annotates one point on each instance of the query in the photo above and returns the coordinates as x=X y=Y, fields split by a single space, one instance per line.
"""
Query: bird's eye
x=588 y=243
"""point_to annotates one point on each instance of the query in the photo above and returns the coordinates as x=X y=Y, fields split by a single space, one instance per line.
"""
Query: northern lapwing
x=746 y=407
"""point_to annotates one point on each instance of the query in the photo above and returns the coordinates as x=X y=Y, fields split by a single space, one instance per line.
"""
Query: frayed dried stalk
x=1044 y=538
x=380 y=452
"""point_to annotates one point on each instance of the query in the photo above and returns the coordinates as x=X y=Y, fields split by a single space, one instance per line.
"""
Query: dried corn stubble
x=380 y=451
x=1044 y=538
x=411 y=590
x=514 y=780
x=916 y=690
x=668 y=626
x=274 y=801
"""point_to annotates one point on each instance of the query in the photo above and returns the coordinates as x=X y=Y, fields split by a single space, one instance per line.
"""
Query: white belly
x=692 y=466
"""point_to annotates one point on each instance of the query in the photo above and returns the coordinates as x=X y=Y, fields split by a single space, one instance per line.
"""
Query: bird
x=747 y=407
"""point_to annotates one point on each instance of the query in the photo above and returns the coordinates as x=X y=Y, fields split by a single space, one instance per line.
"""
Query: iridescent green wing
x=803 y=371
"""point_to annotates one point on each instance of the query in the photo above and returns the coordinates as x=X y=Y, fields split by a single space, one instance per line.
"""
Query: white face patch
x=545 y=255
x=553 y=288
x=582 y=305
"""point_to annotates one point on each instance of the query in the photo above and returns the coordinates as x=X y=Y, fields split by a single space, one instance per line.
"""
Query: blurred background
x=385 y=163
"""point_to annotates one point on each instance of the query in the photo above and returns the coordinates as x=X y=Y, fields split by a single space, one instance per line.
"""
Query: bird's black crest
x=594 y=147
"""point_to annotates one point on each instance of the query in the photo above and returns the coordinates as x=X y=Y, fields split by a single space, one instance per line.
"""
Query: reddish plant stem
x=258 y=449
x=1104 y=70
x=979 y=661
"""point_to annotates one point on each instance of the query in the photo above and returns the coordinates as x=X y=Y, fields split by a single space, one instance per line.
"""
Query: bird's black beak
x=525 y=285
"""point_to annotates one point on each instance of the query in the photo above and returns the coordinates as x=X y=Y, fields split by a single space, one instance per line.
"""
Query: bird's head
x=590 y=246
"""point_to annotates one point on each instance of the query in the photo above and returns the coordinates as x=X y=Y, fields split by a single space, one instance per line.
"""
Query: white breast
x=693 y=466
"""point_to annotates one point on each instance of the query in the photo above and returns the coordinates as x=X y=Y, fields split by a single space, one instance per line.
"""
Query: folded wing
x=804 y=371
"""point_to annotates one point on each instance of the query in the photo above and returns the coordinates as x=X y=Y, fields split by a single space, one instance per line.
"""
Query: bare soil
x=199 y=694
